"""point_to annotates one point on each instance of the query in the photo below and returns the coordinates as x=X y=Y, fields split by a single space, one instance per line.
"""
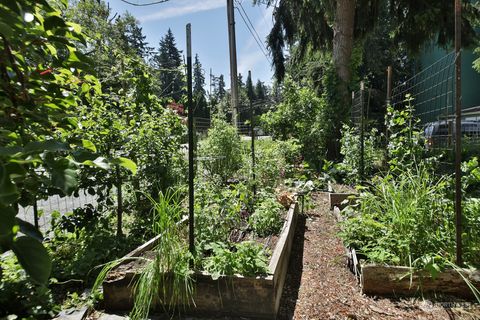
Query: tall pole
x=210 y=93
x=252 y=133
x=362 y=133
x=119 y=201
x=389 y=85
x=458 y=129
x=233 y=60
x=191 y=173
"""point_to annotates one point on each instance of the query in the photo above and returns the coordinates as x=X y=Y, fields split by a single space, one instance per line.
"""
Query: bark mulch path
x=319 y=285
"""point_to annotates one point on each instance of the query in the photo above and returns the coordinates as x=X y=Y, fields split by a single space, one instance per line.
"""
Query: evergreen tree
x=240 y=83
x=167 y=61
x=260 y=93
x=249 y=86
x=199 y=90
x=132 y=36
x=220 y=88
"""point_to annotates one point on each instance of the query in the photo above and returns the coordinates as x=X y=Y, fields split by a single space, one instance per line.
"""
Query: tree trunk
x=342 y=53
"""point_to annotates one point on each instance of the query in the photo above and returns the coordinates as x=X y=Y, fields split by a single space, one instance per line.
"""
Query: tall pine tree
x=250 y=90
x=132 y=36
x=260 y=93
x=199 y=99
x=220 y=88
x=167 y=63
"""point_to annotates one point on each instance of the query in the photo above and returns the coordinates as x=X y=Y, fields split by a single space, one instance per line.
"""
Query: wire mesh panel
x=357 y=108
x=432 y=93
x=432 y=90
x=358 y=121
x=54 y=203
x=201 y=124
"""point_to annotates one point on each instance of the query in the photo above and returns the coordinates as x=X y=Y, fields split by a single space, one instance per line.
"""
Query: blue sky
x=209 y=32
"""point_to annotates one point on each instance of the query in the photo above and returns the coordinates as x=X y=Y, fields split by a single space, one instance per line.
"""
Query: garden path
x=319 y=285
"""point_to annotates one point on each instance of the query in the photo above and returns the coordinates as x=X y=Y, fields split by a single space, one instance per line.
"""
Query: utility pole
x=233 y=60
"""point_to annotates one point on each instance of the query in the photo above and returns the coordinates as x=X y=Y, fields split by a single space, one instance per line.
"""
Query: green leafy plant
x=297 y=117
x=32 y=301
x=267 y=220
x=405 y=143
x=403 y=219
x=275 y=160
x=222 y=150
x=246 y=258
x=350 y=150
x=218 y=211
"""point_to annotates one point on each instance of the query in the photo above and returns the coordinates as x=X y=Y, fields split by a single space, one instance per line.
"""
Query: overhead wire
x=251 y=24
x=144 y=4
x=258 y=41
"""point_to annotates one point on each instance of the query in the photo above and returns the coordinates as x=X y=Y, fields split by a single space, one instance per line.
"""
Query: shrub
x=20 y=297
x=274 y=161
x=296 y=117
x=222 y=150
x=350 y=150
x=405 y=219
x=218 y=211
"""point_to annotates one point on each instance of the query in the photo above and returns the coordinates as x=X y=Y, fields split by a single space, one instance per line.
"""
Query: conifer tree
x=167 y=62
x=260 y=93
x=198 y=90
x=220 y=89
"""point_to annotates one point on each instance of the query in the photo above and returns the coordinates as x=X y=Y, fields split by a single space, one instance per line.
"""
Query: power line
x=258 y=41
x=144 y=4
x=251 y=24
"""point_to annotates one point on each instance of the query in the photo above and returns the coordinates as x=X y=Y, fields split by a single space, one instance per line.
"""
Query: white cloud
x=249 y=61
x=182 y=8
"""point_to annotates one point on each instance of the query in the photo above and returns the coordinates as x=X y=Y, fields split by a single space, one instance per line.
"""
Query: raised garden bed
x=236 y=295
x=389 y=281
x=336 y=199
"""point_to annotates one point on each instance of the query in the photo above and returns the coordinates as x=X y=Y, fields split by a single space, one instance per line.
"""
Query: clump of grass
x=165 y=280
x=405 y=219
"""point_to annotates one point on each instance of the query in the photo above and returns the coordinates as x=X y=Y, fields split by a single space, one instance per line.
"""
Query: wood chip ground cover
x=319 y=286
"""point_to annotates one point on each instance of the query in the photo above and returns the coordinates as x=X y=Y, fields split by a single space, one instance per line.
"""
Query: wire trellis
x=55 y=203
x=433 y=96
x=432 y=91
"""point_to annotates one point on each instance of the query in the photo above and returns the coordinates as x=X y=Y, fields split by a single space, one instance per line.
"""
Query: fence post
x=389 y=85
x=458 y=130
x=252 y=136
x=119 y=201
x=362 y=133
x=191 y=172
x=35 y=212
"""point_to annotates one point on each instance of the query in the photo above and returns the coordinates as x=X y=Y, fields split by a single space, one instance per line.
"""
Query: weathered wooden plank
x=336 y=199
x=404 y=281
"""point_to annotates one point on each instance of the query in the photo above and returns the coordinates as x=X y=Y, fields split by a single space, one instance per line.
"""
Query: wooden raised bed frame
x=336 y=199
x=392 y=281
x=239 y=296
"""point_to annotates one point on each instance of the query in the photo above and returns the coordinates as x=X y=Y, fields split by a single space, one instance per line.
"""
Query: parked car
x=441 y=134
